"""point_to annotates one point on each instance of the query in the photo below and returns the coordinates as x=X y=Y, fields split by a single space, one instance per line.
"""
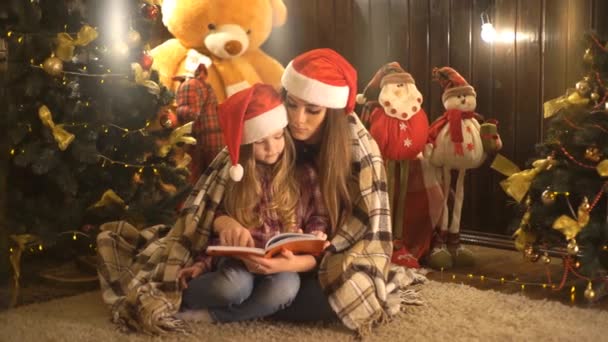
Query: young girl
x=267 y=195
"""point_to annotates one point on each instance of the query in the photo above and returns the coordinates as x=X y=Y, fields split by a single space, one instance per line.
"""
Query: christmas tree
x=82 y=115
x=563 y=195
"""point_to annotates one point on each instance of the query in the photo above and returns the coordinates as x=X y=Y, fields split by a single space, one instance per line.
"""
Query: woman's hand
x=187 y=273
x=231 y=233
x=260 y=265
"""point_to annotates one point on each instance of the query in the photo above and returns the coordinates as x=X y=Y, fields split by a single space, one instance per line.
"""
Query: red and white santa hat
x=248 y=116
x=322 y=77
x=452 y=82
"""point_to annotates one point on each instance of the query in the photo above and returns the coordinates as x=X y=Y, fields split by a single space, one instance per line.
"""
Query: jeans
x=232 y=293
x=310 y=304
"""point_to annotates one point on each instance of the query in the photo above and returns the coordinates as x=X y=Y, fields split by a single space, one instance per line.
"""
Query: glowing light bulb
x=488 y=33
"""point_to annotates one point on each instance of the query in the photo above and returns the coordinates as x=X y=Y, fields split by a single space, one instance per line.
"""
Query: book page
x=291 y=236
x=234 y=251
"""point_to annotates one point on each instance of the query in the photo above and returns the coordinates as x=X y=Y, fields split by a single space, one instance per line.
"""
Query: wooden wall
x=512 y=77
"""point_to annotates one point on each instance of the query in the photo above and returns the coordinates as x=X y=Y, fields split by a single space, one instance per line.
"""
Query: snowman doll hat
x=248 y=116
x=452 y=83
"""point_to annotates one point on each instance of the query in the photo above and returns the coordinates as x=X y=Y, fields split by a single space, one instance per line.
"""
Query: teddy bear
x=457 y=142
x=399 y=125
x=230 y=33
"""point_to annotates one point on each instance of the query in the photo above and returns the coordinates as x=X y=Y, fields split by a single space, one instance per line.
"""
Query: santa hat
x=322 y=77
x=452 y=82
x=248 y=116
x=389 y=73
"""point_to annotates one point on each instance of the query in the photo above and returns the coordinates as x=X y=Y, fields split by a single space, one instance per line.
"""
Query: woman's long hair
x=242 y=197
x=335 y=168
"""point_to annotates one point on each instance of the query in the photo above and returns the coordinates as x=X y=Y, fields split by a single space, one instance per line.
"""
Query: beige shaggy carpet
x=452 y=312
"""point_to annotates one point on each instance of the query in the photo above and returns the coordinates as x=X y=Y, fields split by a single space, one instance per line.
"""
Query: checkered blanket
x=138 y=269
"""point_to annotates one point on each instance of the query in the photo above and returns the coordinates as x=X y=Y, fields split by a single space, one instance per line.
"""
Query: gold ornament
x=62 y=137
x=548 y=197
x=588 y=56
x=546 y=259
x=572 y=247
x=133 y=38
x=53 y=66
x=570 y=227
x=594 y=96
x=530 y=254
x=583 y=88
x=602 y=168
x=589 y=293
x=593 y=154
x=66 y=44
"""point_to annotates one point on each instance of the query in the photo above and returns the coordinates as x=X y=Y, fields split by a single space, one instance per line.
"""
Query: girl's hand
x=280 y=263
x=236 y=236
x=322 y=236
x=186 y=274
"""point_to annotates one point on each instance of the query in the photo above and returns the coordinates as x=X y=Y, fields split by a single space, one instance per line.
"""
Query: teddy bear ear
x=279 y=12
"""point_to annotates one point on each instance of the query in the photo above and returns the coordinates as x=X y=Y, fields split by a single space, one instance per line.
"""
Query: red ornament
x=146 y=61
x=150 y=11
x=168 y=118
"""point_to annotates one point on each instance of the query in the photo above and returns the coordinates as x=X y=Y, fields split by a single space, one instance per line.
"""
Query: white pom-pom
x=236 y=172
x=360 y=99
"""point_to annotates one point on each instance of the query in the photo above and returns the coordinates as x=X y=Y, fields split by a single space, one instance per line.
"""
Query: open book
x=297 y=243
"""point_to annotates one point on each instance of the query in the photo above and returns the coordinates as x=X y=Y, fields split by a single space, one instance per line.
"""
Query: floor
x=500 y=270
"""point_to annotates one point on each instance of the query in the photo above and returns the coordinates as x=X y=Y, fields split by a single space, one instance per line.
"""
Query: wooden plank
x=482 y=205
x=399 y=32
x=460 y=36
x=555 y=40
x=419 y=46
x=326 y=16
x=600 y=21
x=439 y=52
x=361 y=34
x=579 y=22
x=529 y=113
x=344 y=24
x=380 y=19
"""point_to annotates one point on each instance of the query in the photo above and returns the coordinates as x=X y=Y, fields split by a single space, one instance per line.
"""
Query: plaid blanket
x=138 y=269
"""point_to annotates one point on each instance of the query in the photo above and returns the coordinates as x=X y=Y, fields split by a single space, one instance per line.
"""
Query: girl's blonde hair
x=242 y=197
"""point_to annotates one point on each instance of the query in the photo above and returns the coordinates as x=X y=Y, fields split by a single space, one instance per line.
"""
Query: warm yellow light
x=39 y=247
x=74 y=237
x=544 y=286
x=502 y=280
x=20 y=40
x=101 y=81
x=10 y=249
x=9 y=34
x=453 y=276
x=482 y=278
x=523 y=287
x=573 y=289
x=12 y=152
x=32 y=61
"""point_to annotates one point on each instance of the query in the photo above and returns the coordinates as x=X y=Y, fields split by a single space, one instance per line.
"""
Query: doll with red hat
x=456 y=143
x=264 y=196
x=400 y=126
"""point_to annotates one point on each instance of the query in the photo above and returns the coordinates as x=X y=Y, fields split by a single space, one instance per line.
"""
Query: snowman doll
x=400 y=127
x=455 y=144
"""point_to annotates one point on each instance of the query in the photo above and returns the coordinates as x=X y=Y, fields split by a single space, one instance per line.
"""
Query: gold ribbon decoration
x=20 y=242
x=109 y=198
x=178 y=135
x=518 y=183
x=553 y=106
x=66 y=44
x=62 y=137
x=602 y=168
x=571 y=227
x=142 y=78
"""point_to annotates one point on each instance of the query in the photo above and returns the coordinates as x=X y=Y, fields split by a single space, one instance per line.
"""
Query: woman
x=320 y=89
